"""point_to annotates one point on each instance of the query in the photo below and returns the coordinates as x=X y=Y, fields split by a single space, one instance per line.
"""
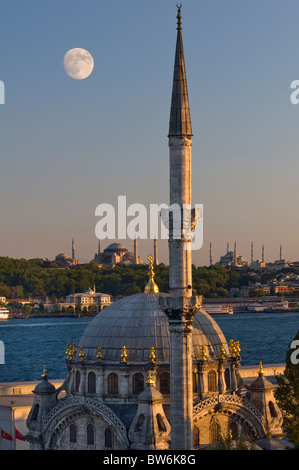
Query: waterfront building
x=153 y=370
x=89 y=300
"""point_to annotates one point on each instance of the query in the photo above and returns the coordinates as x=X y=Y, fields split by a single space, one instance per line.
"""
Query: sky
x=69 y=145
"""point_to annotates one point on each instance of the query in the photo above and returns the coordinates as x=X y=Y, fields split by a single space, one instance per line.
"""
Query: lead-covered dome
x=138 y=323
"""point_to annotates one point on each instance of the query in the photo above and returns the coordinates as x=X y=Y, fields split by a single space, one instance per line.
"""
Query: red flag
x=20 y=436
x=5 y=435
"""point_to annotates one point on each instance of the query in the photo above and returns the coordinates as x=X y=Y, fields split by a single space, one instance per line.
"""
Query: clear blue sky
x=67 y=145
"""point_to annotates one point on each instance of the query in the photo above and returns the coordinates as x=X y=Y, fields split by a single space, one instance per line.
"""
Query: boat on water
x=256 y=308
x=4 y=313
x=218 y=309
x=269 y=307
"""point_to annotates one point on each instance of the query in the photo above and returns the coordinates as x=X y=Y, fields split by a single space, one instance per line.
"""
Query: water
x=31 y=343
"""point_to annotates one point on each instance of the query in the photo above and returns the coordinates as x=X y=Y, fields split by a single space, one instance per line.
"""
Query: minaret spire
x=180 y=121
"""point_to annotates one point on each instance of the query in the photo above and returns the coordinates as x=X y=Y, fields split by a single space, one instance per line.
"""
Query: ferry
x=4 y=313
x=256 y=308
x=218 y=309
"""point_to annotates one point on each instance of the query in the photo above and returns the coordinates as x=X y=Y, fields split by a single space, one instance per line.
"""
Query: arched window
x=90 y=435
x=234 y=430
x=73 y=433
x=227 y=378
x=113 y=384
x=164 y=383
x=108 y=438
x=77 y=381
x=35 y=412
x=214 y=433
x=272 y=409
x=212 y=376
x=139 y=423
x=161 y=424
x=91 y=382
x=138 y=383
x=195 y=436
x=194 y=382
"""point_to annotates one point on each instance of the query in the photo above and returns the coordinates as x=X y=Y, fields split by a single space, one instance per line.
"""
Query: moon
x=78 y=63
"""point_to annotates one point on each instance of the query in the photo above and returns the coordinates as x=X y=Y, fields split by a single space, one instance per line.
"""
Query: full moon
x=78 y=63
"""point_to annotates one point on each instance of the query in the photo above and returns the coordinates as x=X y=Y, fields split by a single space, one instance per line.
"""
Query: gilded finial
x=261 y=370
x=124 y=355
x=152 y=356
x=44 y=374
x=99 y=355
x=81 y=354
x=222 y=352
x=238 y=349
x=150 y=379
x=73 y=351
x=232 y=348
x=151 y=286
x=203 y=353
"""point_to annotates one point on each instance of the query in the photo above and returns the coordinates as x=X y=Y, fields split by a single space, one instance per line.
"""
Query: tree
x=287 y=395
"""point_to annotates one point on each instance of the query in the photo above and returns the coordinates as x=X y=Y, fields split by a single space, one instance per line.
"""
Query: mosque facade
x=154 y=371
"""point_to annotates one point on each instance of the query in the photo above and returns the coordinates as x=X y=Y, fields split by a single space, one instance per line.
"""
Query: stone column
x=180 y=312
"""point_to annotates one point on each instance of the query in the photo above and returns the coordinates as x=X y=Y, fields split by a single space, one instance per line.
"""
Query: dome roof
x=62 y=256
x=115 y=248
x=138 y=323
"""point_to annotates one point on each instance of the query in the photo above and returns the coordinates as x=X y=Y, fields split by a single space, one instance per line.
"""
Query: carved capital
x=180 y=309
x=180 y=141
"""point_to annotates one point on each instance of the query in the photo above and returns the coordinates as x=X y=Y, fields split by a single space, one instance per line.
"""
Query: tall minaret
x=280 y=253
x=73 y=248
x=135 y=251
x=211 y=254
x=252 y=252
x=180 y=306
x=263 y=253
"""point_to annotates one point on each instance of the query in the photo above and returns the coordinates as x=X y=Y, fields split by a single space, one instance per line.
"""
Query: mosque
x=154 y=370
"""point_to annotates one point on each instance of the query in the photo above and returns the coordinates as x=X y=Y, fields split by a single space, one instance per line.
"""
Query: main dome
x=138 y=323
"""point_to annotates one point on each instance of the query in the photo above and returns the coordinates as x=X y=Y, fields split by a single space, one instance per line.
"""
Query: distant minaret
x=280 y=253
x=211 y=256
x=135 y=251
x=235 y=253
x=252 y=252
x=99 y=247
x=73 y=248
x=263 y=254
x=155 y=252
x=227 y=247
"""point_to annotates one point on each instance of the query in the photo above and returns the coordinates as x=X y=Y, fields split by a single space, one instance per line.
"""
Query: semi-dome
x=138 y=323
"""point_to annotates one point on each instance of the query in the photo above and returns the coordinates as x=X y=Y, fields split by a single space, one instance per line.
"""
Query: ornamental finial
x=179 y=16
x=150 y=379
x=151 y=286
x=44 y=374
x=261 y=370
